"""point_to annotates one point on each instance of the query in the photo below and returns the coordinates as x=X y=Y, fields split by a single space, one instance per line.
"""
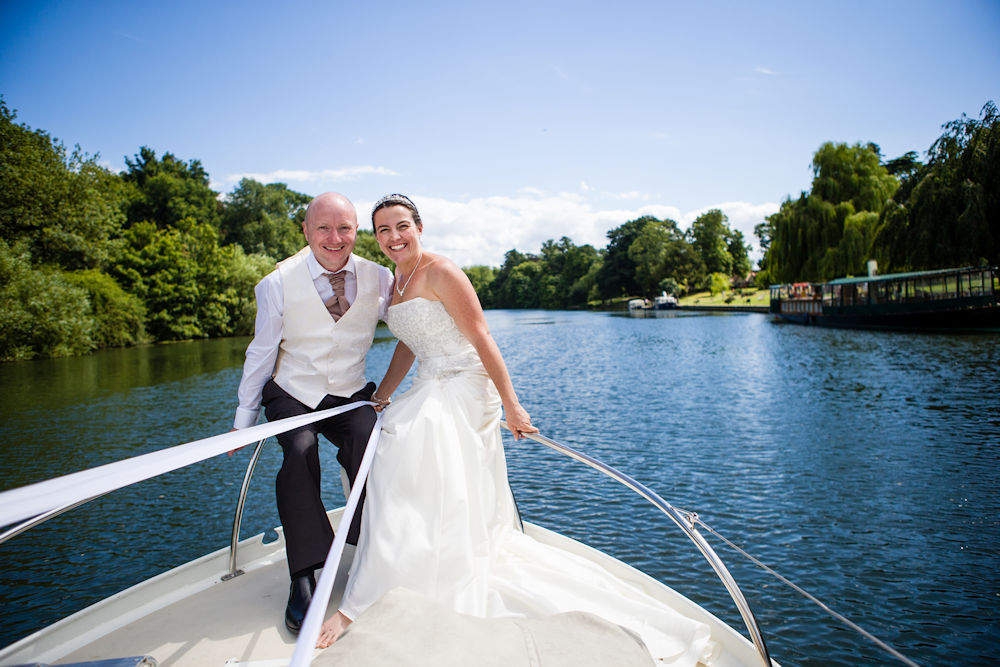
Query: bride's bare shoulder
x=441 y=268
x=446 y=279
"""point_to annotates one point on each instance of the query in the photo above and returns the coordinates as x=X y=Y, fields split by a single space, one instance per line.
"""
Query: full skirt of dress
x=440 y=519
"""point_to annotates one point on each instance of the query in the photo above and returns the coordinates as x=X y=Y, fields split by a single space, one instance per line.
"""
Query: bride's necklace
x=399 y=291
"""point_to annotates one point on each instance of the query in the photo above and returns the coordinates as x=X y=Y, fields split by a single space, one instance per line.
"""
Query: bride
x=439 y=517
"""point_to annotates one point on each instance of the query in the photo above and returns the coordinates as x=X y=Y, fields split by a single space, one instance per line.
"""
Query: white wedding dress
x=439 y=517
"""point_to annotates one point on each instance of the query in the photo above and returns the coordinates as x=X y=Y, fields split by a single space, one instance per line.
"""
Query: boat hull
x=939 y=319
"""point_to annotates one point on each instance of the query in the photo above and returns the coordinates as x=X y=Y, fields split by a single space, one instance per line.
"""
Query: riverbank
x=749 y=300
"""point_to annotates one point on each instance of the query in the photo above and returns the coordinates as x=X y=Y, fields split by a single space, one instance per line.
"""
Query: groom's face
x=330 y=232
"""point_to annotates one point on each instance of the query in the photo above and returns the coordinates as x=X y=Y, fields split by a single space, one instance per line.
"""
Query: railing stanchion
x=238 y=519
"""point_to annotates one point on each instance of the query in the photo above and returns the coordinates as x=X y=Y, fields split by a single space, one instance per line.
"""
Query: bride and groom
x=439 y=518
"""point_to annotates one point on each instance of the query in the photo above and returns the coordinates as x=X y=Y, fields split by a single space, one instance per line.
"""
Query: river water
x=860 y=465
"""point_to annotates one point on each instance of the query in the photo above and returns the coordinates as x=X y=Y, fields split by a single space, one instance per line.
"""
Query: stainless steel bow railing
x=685 y=520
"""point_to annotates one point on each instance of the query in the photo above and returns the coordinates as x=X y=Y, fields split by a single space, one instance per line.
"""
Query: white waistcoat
x=317 y=355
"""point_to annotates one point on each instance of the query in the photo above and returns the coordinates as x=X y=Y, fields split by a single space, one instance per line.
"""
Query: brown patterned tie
x=337 y=304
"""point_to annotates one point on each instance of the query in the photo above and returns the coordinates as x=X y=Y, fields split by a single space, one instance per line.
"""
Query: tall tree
x=264 y=219
x=64 y=206
x=709 y=234
x=740 y=254
x=830 y=231
x=947 y=212
x=567 y=263
x=167 y=190
x=617 y=275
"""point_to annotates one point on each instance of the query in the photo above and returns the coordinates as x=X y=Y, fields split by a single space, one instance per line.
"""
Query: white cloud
x=479 y=230
x=763 y=70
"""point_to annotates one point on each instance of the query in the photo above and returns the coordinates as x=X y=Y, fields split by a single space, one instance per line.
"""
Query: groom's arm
x=262 y=353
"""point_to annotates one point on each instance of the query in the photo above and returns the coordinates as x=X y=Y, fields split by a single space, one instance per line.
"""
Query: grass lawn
x=738 y=298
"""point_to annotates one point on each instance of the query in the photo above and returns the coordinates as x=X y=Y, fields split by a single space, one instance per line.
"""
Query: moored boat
x=665 y=302
x=955 y=299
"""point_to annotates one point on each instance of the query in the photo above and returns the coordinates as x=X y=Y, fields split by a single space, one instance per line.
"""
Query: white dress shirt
x=262 y=353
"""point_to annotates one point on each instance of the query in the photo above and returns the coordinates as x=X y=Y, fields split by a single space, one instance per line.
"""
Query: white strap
x=30 y=501
x=324 y=587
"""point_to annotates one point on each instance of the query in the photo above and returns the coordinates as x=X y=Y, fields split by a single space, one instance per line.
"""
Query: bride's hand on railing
x=381 y=403
x=518 y=420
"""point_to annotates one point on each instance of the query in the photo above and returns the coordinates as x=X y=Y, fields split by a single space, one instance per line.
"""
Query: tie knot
x=336 y=282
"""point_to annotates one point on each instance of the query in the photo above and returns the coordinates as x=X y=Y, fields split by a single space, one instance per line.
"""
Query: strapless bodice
x=432 y=335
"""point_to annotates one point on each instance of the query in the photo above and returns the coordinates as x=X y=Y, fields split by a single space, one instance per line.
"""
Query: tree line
x=90 y=258
x=644 y=257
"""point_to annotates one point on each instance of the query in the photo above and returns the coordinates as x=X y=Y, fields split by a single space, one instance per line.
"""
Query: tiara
x=394 y=198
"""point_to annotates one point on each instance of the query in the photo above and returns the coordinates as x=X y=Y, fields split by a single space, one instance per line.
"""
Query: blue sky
x=508 y=123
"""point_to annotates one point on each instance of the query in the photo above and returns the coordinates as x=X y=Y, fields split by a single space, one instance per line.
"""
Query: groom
x=316 y=318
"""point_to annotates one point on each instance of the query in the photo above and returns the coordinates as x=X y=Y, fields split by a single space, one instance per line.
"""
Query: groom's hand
x=233 y=451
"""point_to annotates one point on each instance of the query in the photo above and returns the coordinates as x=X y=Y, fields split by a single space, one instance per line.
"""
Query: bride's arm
x=402 y=359
x=452 y=287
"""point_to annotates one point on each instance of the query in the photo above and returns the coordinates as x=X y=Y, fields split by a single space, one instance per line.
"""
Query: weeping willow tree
x=947 y=212
x=829 y=231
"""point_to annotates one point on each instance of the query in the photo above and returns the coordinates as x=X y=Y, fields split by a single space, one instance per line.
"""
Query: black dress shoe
x=299 y=597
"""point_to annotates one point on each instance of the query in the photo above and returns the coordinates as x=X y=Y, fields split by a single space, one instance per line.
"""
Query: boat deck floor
x=236 y=621
x=191 y=616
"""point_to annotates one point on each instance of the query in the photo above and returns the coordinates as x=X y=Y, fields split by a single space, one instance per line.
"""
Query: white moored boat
x=226 y=608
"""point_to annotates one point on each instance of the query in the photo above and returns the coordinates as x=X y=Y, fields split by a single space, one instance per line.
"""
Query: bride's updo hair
x=396 y=199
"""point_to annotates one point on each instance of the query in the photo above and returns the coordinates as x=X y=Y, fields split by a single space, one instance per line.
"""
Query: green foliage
x=564 y=276
x=117 y=315
x=502 y=293
x=670 y=286
x=661 y=253
x=41 y=313
x=709 y=234
x=830 y=231
x=192 y=287
x=617 y=276
x=947 y=212
x=167 y=191
x=481 y=277
x=854 y=174
x=366 y=245
x=739 y=252
x=66 y=208
x=718 y=283
x=568 y=270
x=264 y=219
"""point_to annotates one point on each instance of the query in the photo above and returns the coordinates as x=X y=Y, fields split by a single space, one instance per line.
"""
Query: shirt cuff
x=246 y=418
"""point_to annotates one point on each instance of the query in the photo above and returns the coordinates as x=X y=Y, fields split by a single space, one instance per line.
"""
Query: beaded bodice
x=431 y=334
